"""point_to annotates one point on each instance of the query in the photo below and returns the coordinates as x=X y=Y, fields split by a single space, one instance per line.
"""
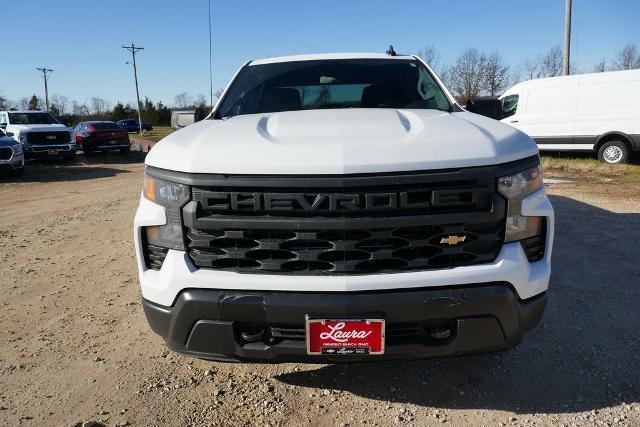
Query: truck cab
x=40 y=134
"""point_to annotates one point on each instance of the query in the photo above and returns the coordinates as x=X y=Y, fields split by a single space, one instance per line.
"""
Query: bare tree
x=60 y=102
x=600 y=67
x=496 y=77
x=627 y=58
x=431 y=56
x=79 y=109
x=552 y=62
x=201 y=100
x=23 y=103
x=99 y=106
x=3 y=101
x=531 y=68
x=183 y=100
x=468 y=74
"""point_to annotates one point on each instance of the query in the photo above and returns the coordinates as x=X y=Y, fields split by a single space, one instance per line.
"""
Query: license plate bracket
x=342 y=337
x=52 y=151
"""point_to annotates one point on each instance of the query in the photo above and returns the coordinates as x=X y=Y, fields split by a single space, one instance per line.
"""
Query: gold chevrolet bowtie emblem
x=453 y=240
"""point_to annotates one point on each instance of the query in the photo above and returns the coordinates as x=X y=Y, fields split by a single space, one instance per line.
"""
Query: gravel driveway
x=76 y=347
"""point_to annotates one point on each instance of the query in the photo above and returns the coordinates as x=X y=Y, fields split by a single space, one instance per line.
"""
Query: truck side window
x=3 y=119
x=509 y=105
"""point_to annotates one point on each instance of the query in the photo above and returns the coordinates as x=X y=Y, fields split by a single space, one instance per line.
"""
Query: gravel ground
x=76 y=347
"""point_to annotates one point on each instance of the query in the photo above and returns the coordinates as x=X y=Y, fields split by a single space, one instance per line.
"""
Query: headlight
x=515 y=188
x=165 y=193
x=23 y=137
x=173 y=197
x=17 y=149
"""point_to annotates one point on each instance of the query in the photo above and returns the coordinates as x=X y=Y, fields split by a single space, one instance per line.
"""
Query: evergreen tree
x=33 y=103
x=164 y=114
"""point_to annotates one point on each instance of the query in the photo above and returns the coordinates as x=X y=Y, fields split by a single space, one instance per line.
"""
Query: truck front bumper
x=42 y=152
x=209 y=323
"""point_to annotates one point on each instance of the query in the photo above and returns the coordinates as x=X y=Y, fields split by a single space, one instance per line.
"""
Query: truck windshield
x=330 y=84
x=32 y=119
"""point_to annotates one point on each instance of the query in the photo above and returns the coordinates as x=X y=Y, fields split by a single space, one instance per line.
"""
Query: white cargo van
x=595 y=112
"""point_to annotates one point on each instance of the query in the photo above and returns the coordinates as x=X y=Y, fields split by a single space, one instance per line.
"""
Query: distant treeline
x=473 y=73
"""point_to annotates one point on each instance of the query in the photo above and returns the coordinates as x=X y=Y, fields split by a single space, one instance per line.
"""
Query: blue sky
x=81 y=40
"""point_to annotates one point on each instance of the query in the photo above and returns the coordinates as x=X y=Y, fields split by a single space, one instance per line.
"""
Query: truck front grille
x=346 y=225
x=48 y=138
x=355 y=251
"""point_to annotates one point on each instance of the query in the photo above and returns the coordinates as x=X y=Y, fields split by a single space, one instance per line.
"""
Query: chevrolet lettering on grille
x=332 y=202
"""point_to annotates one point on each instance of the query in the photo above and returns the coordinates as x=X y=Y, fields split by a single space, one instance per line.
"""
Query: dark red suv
x=100 y=136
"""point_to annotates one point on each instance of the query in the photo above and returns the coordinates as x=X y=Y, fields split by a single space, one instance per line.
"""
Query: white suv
x=342 y=207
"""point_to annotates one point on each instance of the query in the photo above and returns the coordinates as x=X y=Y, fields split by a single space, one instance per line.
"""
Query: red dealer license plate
x=345 y=337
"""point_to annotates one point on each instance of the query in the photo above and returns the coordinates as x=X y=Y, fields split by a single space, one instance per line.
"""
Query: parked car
x=133 y=126
x=94 y=136
x=342 y=207
x=40 y=134
x=11 y=154
x=597 y=112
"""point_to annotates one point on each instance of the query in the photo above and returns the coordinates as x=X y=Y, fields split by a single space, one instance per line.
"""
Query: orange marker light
x=149 y=189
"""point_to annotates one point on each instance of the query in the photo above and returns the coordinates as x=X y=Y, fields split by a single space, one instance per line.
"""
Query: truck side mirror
x=488 y=107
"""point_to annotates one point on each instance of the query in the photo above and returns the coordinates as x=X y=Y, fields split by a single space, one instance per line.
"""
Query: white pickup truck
x=40 y=134
x=342 y=207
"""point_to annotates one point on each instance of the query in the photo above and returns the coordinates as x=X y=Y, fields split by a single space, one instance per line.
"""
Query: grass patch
x=156 y=134
x=587 y=167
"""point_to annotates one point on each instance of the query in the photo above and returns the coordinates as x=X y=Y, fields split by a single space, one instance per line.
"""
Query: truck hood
x=341 y=141
x=38 y=128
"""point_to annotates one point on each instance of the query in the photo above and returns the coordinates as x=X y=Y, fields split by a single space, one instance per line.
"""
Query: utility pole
x=134 y=49
x=44 y=71
x=210 y=61
x=567 y=39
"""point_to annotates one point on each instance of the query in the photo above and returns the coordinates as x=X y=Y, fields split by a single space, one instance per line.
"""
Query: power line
x=135 y=49
x=44 y=71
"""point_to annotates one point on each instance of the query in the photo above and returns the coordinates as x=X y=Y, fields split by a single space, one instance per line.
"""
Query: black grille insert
x=534 y=247
x=153 y=255
x=48 y=138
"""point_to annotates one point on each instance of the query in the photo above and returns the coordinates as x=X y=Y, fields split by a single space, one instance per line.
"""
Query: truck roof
x=321 y=56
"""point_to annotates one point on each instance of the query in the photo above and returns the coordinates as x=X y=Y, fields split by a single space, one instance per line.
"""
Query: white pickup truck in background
x=40 y=134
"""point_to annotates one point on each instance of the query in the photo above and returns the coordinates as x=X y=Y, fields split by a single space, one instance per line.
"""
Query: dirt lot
x=75 y=345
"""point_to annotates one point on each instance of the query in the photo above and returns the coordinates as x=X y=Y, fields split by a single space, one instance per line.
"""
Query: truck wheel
x=614 y=152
